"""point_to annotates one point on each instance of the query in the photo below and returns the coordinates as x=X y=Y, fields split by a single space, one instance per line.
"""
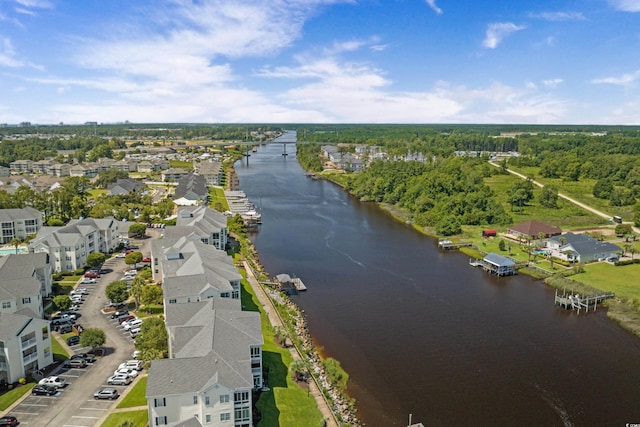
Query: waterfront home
x=191 y=189
x=533 y=230
x=573 y=247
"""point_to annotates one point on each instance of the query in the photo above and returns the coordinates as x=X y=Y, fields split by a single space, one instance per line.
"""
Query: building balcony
x=29 y=358
x=4 y=366
x=28 y=344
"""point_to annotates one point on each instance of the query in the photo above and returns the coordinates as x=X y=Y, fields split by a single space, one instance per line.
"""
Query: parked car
x=76 y=363
x=125 y=371
x=132 y=364
x=8 y=421
x=119 y=313
x=120 y=379
x=116 y=304
x=74 y=307
x=43 y=390
x=134 y=332
x=88 y=281
x=126 y=318
x=64 y=328
x=146 y=259
x=106 y=393
x=73 y=340
x=92 y=275
x=53 y=381
x=87 y=357
x=80 y=291
x=63 y=318
x=135 y=355
x=131 y=324
x=121 y=255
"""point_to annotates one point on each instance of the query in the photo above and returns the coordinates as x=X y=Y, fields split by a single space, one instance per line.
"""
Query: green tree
x=636 y=215
x=55 y=222
x=137 y=285
x=151 y=295
x=96 y=259
x=153 y=336
x=92 y=337
x=502 y=245
x=137 y=229
x=117 y=291
x=336 y=374
x=549 y=197
x=622 y=229
x=62 y=302
x=602 y=188
x=133 y=258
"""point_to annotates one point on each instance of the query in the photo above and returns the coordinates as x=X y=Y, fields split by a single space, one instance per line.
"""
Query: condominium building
x=19 y=223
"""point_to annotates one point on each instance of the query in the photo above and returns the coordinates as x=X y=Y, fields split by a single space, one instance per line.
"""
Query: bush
x=79 y=272
x=57 y=277
x=627 y=262
x=65 y=273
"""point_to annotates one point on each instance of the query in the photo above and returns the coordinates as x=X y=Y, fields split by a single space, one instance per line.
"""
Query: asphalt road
x=74 y=405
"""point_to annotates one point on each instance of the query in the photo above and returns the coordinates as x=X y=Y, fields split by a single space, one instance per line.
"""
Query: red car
x=147 y=259
x=127 y=251
x=92 y=275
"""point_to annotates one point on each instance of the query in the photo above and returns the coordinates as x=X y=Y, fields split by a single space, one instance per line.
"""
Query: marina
x=239 y=204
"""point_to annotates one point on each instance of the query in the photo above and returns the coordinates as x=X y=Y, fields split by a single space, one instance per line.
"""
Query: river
x=419 y=331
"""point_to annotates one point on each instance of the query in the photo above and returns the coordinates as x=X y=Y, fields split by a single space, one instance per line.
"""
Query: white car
x=88 y=281
x=129 y=372
x=132 y=324
x=131 y=364
x=135 y=355
x=54 y=381
x=121 y=255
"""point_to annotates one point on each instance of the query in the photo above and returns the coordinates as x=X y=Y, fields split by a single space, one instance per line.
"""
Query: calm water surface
x=421 y=332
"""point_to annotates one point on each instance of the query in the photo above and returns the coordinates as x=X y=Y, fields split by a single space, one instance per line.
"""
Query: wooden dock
x=297 y=282
x=577 y=302
x=448 y=245
x=284 y=282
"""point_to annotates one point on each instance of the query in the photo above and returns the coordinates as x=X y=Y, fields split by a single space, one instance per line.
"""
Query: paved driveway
x=74 y=405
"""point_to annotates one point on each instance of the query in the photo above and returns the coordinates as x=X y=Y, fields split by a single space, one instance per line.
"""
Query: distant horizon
x=320 y=61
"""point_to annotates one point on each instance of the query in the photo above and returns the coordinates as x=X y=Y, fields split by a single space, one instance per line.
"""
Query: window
x=6 y=304
x=241 y=396
x=207 y=400
x=161 y=420
x=225 y=416
x=242 y=414
x=45 y=332
x=173 y=301
x=159 y=402
x=255 y=351
x=195 y=400
x=224 y=398
x=47 y=351
x=207 y=419
x=26 y=300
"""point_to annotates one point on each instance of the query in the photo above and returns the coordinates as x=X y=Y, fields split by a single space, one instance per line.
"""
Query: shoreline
x=618 y=311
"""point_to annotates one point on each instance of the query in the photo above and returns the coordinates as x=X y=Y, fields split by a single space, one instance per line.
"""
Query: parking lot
x=74 y=405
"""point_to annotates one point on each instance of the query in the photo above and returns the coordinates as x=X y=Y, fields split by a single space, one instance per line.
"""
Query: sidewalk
x=275 y=320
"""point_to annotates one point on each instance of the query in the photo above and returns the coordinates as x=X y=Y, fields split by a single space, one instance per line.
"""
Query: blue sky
x=325 y=61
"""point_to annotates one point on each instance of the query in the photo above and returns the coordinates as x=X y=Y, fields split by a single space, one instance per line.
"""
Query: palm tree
x=137 y=285
x=15 y=242
x=633 y=251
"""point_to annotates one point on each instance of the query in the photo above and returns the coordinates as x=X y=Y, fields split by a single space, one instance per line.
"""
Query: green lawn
x=182 y=164
x=59 y=353
x=135 y=397
x=286 y=404
x=96 y=192
x=11 y=396
x=624 y=280
x=217 y=197
x=139 y=418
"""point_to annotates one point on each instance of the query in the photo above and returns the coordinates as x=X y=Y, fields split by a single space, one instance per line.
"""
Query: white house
x=25 y=345
x=26 y=280
x=581 y=248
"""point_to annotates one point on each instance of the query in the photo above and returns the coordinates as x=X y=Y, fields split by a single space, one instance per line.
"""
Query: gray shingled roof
x=11 y=324
x=169 y=377
x=18 y=277
x=499 y=260
x=586 y=245
x=16 y=214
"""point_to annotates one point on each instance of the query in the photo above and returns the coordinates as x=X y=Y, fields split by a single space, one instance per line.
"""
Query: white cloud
x=432 y=4
x=38 y=4
x=626 y=5
x=622 y=80
x=8 y=53
x=496 y=32
x=558 y=16
x=552 y=83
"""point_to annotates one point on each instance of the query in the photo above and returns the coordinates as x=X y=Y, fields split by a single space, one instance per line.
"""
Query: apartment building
x=70 y=245
x=206 y=223
x=19 y=223
x=215 y=363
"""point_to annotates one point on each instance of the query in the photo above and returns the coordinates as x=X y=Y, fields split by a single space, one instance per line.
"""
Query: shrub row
x=627 y=262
